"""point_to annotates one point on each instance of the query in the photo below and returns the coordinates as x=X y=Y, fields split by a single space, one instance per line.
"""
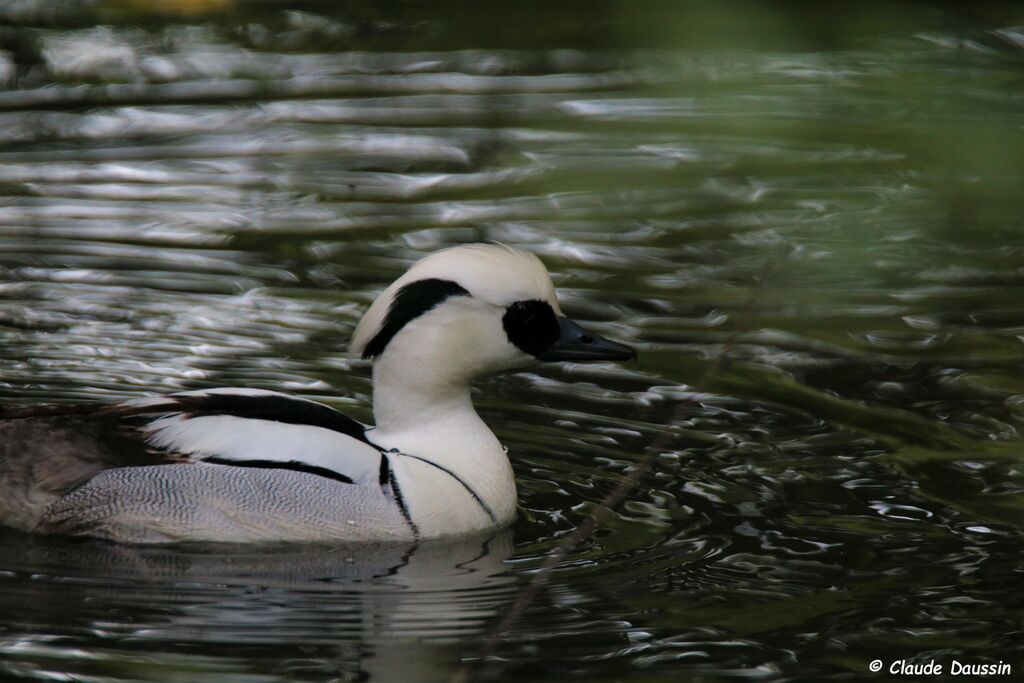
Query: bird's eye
x=522 y=311
x=531 y=325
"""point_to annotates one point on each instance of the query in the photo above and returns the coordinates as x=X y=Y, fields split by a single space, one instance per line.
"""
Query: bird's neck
x=422 y=413
x=408 y=397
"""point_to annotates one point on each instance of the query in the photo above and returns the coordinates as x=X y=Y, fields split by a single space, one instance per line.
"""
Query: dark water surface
x=199 y=193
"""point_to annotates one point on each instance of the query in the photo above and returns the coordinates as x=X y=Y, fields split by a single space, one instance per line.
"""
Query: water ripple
x=811 y=233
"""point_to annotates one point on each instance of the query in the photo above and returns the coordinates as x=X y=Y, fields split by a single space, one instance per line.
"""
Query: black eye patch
x=531 y=325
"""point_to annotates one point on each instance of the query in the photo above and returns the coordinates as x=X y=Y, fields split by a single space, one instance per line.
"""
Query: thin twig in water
x=609 y=503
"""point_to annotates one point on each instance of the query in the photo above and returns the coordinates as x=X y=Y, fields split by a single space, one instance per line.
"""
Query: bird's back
x=47 y=451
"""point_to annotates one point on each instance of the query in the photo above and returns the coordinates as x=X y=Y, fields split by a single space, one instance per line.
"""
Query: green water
x=808 y=218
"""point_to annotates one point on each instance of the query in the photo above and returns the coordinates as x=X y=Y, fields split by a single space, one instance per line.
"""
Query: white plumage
x=243 y=465
x=494 y=273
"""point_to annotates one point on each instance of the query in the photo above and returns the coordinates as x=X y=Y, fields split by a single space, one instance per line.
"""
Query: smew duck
x=247 y=465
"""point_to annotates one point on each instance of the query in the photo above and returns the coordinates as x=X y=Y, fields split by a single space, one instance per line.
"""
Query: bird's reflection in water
x=296 y=612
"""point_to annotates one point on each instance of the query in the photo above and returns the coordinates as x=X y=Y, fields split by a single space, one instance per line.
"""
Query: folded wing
x=254 y=428
x=45 y=452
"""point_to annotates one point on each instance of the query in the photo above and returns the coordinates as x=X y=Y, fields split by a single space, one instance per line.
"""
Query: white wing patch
x=180 y=425
x=238 y=438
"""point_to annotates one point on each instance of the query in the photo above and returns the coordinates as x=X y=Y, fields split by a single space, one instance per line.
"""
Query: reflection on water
x=359 y=609
x=209 y=193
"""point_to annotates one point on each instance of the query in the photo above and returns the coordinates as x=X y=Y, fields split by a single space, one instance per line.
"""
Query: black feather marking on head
x=410 y=302
x=531 y=326
x=291 y=465
x=271 y=407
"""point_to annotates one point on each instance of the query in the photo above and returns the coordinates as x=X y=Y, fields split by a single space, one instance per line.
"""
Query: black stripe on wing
x=291 y=465
x=271 y=407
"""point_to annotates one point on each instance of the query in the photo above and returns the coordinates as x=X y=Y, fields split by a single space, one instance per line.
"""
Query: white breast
x=453 y=473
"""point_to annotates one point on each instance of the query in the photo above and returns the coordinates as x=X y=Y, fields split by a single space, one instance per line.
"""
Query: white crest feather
x=493 y=273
